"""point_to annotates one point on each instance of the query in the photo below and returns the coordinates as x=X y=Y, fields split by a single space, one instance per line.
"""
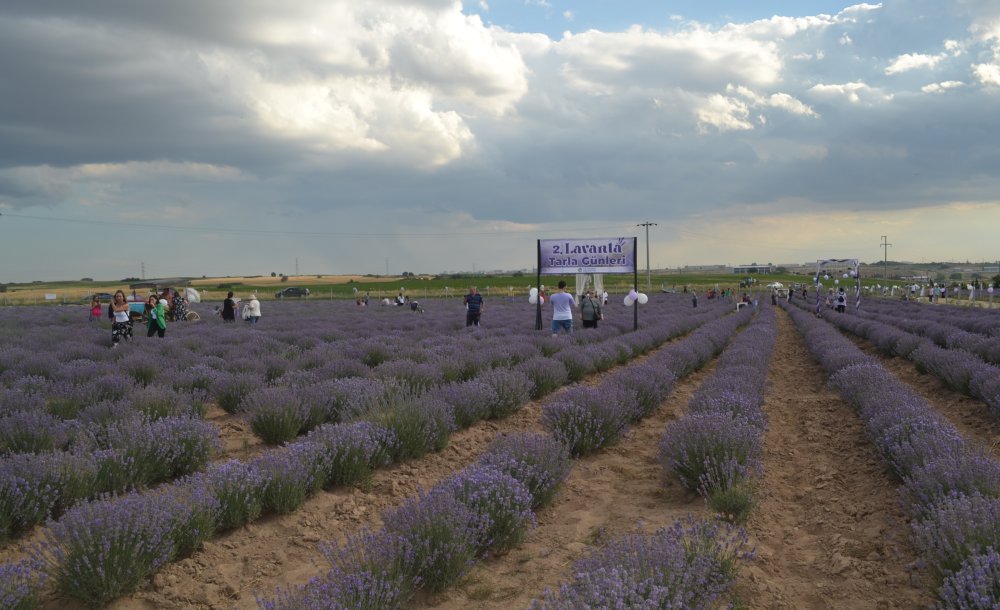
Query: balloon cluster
x=634 y=296
x=533 y=297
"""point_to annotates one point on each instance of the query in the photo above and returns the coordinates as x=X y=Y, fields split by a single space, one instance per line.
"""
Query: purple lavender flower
x=290 y=476
x=501 y=505
x=237 y=487
x=441 y=534
x=470 y=400
x=513 y=389
x=967 y=472
x=537 y=460
x=232 y=388
x=353 y=450
x=276 y=415
x=20 y=585
x=420 y=424
x=106 y=548
x=956 y=528
x=547 y=374
x=703 y=447
x=976 y=586
x=586 y=419
x=417 y=376
x=643 y=385
x=685 y=566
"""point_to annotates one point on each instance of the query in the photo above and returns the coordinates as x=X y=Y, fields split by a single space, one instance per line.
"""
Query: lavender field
x=335 y=456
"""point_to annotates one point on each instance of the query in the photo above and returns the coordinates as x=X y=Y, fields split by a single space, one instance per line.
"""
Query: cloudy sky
x=250 y=136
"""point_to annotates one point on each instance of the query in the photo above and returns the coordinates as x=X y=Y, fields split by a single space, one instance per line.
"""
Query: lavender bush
x=537 y=460
x=546 y=374
x=441 y=533
x=238 y=488
x=500 y=503
x=956 y=528
x=231 y=389
x=420 y=424
x=716 y=450
x=290 y=476
x=353 y=450
x=976 y=586
x=513 y=389
x=20 y=585
x=106 y=548
x=470 y=401
x=686 y=566
x=586 y=419
x=276 y=415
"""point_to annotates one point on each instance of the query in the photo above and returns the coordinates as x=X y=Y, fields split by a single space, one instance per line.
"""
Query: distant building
x=752 y=269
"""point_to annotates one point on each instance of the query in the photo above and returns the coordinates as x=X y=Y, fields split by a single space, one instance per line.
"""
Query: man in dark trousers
x=474 y=307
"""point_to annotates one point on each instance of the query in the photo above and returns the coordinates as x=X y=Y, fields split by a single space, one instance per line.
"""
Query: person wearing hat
x=156 y=316
x=252 y=314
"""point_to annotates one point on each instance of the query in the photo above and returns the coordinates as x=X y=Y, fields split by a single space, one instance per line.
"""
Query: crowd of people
x=154 y=313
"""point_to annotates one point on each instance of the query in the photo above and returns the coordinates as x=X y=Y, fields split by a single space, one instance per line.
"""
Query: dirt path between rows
x=620 y=489
x=829 y=531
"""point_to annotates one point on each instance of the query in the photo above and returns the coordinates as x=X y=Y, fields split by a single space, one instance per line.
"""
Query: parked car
x=291 y=291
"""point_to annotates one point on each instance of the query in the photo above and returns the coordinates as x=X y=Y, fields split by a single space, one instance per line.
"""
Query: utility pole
x=142 y=269
x=885 y=261
x=296 y=265
x=647 y=225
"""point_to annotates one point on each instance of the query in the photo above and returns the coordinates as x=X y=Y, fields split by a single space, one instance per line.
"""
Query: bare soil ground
x=828 y=528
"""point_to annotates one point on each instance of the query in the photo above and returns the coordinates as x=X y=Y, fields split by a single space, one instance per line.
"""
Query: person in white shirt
x=252 y=314
x=562 y=310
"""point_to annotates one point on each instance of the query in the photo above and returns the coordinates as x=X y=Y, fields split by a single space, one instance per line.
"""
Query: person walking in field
x=95 y=308
x=590 y=310
x=474 y=307
x=179 y=306
x=562 y=310
x=121 y=325
x=252 y=312
x=229 y=308
x=156 y=316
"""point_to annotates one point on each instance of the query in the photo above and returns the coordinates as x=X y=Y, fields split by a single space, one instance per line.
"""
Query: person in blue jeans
x=474 y=307
x=562 y=310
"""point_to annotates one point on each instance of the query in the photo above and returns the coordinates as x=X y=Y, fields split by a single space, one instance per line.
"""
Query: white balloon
x=541 y=299
x=533 y=292
x=628 y=301
x=836 y=281
x=642 y=298
x=990 y=290
x=533 y=299
x=846 y=275
x=632 y=294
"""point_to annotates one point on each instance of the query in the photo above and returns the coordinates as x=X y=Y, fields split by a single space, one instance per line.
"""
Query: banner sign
x=592 y=255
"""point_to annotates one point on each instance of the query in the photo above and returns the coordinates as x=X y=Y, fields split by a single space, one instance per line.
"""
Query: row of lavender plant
x=294 y=407
x=588 y=418
x=432 y=540
x=49 y=484
x=716 y=448
x=689 y=565
x=950 y=486
x=581 y=420
x=928 y=322
x=972 y=319
x=420 y=427
x=124 y=453
x=961 y=370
